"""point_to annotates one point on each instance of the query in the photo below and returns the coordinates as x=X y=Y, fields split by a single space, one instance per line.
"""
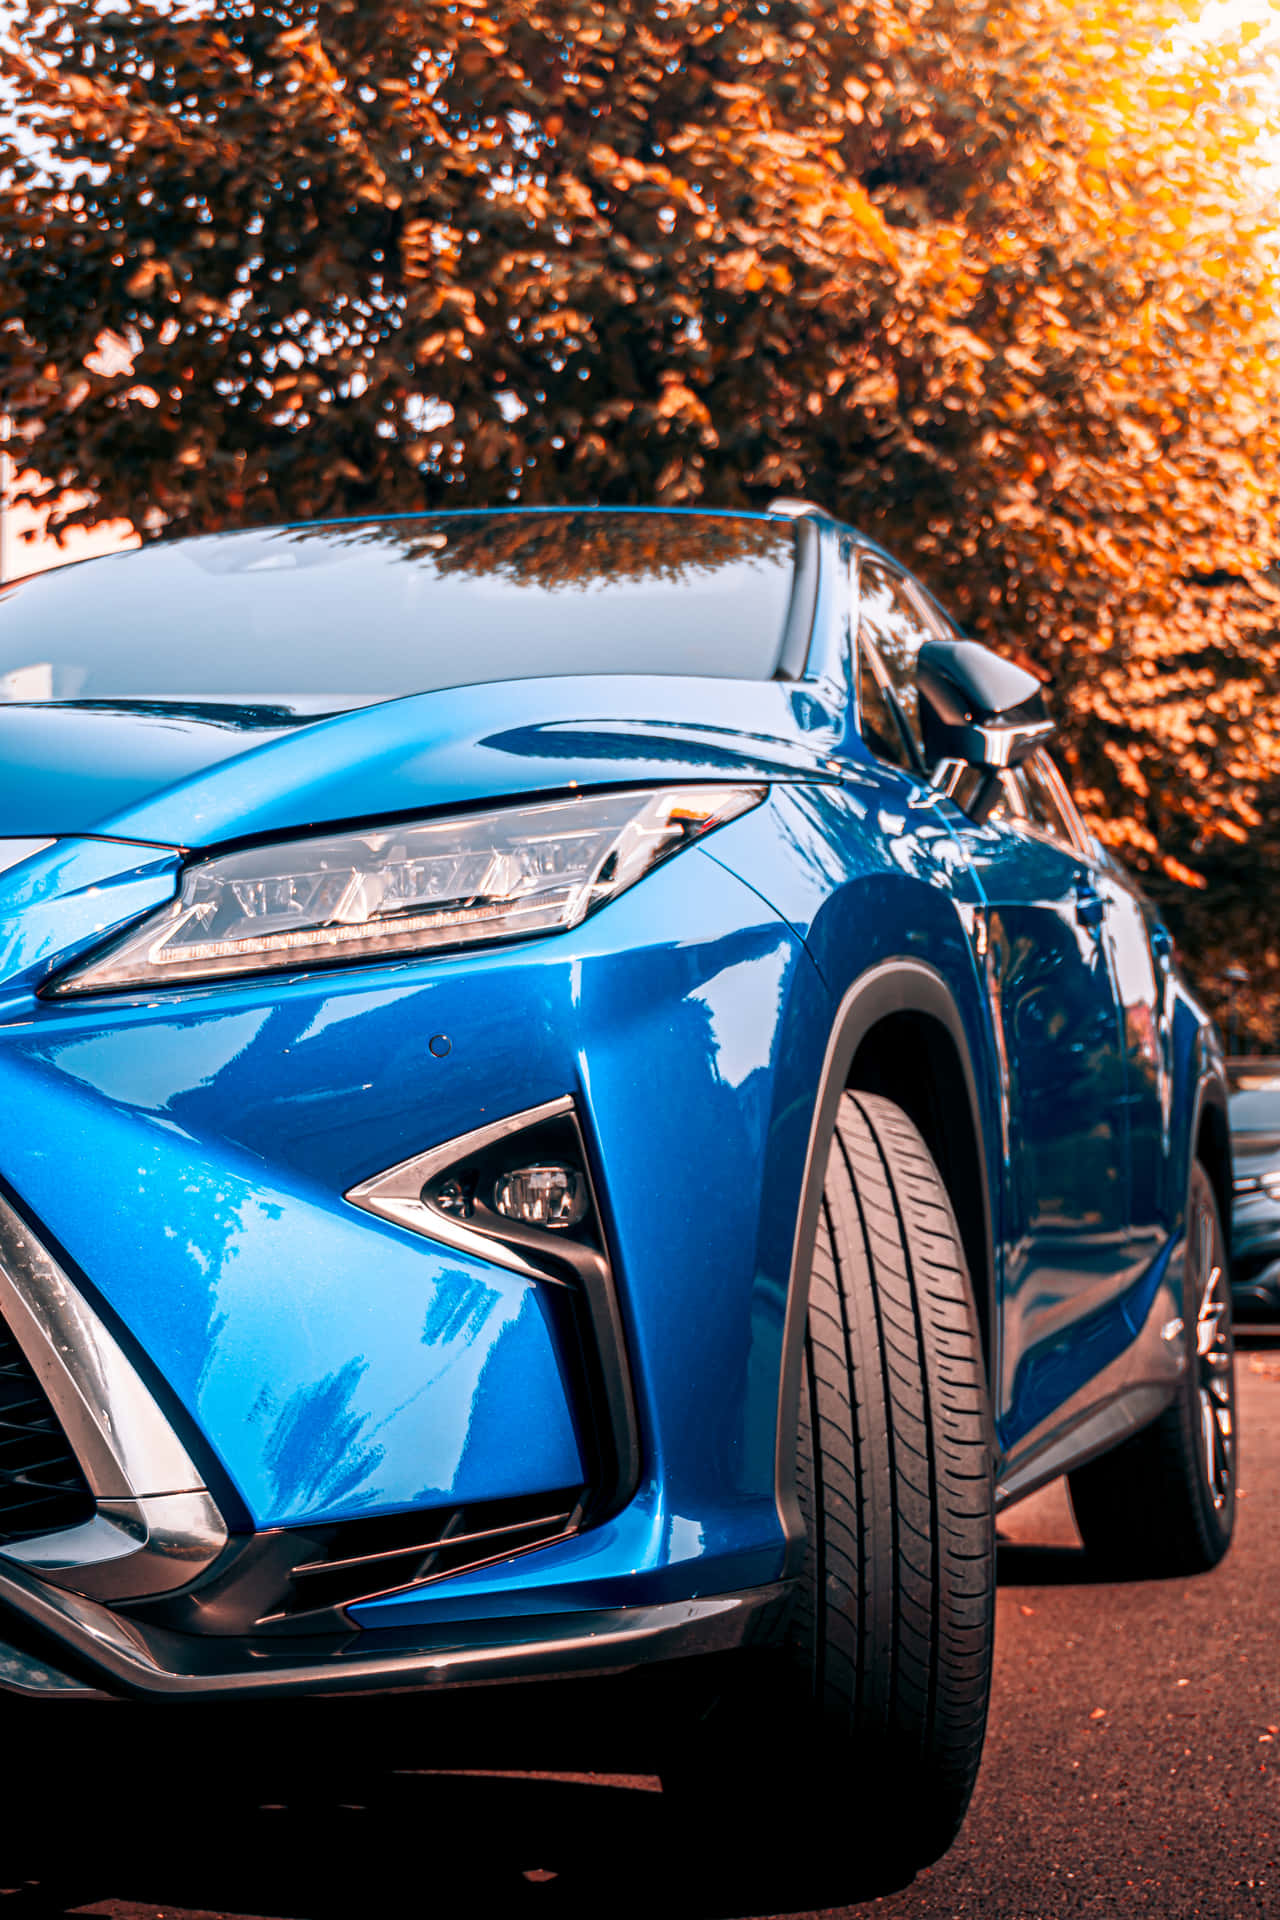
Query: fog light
x=451 y=1197
x=547 y=1196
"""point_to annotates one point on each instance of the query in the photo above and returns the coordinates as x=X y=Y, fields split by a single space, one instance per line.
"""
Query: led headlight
x=417 y=888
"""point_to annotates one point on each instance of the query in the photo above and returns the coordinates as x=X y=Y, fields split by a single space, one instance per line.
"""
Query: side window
x=882 y=727
x=889 y=620
x=1048 y=807
x=1035 y=798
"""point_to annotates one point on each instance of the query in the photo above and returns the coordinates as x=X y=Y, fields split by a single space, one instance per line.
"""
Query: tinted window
x=877 y=723
x=890 y=620
x=1044 y=808
x=318 y=618
x=1030 y=797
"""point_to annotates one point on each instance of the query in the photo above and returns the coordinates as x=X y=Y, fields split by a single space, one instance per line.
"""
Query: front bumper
x=89 y=1601
x=186 y=1164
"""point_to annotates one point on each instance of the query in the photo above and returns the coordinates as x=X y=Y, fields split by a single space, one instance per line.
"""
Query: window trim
x=1047 y=768
x=802 y=609
x=859 y=557
x=1077 y=840
x=914 y=770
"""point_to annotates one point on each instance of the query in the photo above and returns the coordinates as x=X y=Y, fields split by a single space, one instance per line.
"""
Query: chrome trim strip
x=157 y=1525
x=123 y=1442
x=396 y=1195
x=130 y=1548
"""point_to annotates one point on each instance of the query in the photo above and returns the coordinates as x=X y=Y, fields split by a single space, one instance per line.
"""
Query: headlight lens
x=417 y=888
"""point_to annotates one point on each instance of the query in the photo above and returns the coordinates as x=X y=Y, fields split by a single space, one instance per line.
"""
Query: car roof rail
x=796 y=509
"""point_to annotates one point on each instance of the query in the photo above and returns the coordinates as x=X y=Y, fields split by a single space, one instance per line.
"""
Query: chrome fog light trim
x=446 y=1195
x=157 y=1525
x=397 y=1193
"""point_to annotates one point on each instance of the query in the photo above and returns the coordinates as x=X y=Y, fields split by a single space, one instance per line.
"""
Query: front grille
x=42 y=1489
x=363 y=1558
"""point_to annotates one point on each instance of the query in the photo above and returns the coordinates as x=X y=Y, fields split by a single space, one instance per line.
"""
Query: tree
x=990 y=283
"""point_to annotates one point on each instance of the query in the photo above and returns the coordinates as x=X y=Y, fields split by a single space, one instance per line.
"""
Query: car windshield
x=1256 y=1109
x=324 y=617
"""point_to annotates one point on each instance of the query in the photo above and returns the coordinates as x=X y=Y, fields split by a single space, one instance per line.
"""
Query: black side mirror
x=979 y=711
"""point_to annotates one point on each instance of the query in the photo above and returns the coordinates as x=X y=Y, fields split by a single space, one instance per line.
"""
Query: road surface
x=1132 y=1768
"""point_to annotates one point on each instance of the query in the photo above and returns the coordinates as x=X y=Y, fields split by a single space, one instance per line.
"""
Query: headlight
x=417 y=888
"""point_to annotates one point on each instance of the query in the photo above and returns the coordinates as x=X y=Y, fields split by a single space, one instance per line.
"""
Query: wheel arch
x=899 y=1032
x=1212 y=1146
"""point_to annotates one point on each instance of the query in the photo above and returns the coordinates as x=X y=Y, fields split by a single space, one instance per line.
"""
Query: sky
x=1220 y=16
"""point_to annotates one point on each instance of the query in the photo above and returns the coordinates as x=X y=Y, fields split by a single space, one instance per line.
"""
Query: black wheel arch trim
x=1212 y=1091
x=894 y=986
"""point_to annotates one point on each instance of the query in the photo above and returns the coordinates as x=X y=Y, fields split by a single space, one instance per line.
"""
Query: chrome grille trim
x=156 y=1525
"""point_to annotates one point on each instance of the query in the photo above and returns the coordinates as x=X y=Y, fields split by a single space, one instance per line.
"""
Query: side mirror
x=979 y=711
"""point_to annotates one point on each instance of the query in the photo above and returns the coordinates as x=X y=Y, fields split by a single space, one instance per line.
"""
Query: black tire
x=1163 y=1503
x=864 y=1746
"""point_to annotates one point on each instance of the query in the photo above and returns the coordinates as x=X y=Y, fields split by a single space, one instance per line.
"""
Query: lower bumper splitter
x=94 y=1651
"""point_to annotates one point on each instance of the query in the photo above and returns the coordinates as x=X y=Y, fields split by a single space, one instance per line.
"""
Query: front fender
x=882 y=896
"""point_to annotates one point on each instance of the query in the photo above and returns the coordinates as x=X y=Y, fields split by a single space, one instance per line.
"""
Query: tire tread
x=897 y=1435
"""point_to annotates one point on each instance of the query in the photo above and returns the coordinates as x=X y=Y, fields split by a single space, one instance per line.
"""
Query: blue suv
x=573 y=1094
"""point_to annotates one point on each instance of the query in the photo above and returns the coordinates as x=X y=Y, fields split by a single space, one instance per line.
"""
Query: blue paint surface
x=186 y=1152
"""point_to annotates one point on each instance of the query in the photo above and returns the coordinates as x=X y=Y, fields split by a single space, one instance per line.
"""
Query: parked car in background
x=1255 y=1211
x=574 y=1093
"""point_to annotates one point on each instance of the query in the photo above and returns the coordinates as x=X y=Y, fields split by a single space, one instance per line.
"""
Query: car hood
x=195 y=776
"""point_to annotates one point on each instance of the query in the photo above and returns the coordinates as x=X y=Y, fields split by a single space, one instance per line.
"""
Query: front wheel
x=1164 y=1501
x=859 y=1751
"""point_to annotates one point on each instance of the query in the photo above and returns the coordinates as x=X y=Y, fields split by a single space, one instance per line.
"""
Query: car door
x=1142 y=956
x=1141 y=952
x=1042 y=942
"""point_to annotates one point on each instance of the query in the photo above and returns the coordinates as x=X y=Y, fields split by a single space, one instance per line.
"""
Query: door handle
x=1091 y=906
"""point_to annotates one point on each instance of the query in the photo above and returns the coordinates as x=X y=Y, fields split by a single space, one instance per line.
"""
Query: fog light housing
x=550 y=1196
x=453 y=1198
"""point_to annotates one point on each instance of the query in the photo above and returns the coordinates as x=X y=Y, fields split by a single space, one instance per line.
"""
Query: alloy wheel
x=1213 y=1359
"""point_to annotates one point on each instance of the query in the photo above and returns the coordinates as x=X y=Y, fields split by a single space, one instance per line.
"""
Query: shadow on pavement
x=322 y=1810
x=1028 y=1566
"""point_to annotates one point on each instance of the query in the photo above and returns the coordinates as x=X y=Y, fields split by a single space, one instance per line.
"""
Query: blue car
x=574 y=1094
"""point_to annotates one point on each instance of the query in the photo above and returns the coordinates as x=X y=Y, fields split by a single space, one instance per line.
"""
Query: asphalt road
x=1131 y=1769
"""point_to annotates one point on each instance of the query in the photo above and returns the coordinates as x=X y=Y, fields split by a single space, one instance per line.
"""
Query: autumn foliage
x=999 y=285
